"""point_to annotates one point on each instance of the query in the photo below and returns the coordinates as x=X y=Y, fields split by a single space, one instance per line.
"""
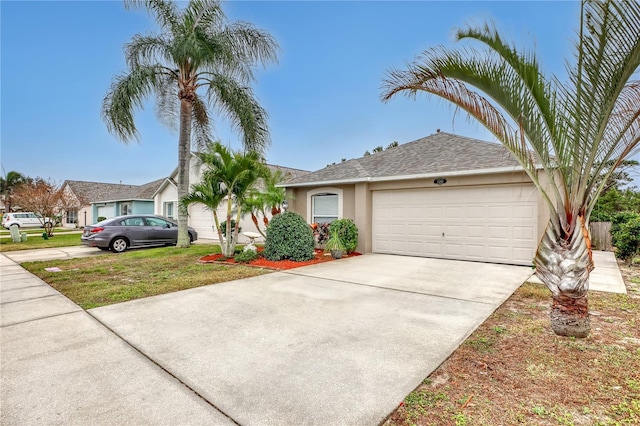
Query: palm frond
x=203 y=14
x=244 y=112
x=201 y=124
x=165 y=12
x=127 y=93
x=147 y=49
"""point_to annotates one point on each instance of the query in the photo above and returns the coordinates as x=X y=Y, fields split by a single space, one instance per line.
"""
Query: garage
x=490 y=223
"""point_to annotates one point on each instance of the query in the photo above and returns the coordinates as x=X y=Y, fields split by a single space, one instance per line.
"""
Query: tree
x=43 y=197
x=575 y=130
x=269 y=198
x=197 y=59
x=8 y=184
x=229 y=175
x=209 y=193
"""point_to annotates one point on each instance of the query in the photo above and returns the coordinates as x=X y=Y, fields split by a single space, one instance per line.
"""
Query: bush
x=627 y=239
x=223 y=227
x=246 y=256
x=289 y=237
x=620 y=219
x=347 y=232
x=101 y=218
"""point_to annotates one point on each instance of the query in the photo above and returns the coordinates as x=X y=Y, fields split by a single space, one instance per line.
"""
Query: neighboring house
x=442 y=196
x=201 y=217
x=96 y=200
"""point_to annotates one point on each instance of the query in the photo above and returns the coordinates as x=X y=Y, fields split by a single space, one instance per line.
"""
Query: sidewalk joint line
x=160 y=366
x=387 y=288
x=42 y=318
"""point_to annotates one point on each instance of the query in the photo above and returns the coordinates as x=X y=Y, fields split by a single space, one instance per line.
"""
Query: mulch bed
x=279 y=265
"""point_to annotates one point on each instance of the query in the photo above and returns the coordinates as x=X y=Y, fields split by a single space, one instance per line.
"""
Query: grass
x=103 y=280
x=37 y=231
x=513 y=370
x=37 y=242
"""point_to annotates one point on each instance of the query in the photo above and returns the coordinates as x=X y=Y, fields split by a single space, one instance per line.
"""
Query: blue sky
x=58 y=60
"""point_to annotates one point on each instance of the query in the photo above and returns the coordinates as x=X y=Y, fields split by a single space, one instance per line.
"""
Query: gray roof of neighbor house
x=93 y=192
x=437 y=153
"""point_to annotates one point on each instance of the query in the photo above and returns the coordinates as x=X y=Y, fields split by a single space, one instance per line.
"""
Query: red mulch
x=261 y=262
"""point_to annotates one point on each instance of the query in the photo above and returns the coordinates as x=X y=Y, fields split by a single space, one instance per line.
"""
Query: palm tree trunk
x=184 y=145
x=570 y=316
x=254 y=218
x=228 y=244
x=563 y=265
x=217 y=223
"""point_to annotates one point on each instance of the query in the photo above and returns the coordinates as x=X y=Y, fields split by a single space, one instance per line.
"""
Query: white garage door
x=487 y=223
x=106 y=211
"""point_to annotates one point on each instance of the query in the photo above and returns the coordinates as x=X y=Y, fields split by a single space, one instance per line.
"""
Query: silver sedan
x=120 y=233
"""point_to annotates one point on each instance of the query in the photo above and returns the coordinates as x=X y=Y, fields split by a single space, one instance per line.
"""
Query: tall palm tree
x=574 y=130
x=229 y=176
x=197 y=59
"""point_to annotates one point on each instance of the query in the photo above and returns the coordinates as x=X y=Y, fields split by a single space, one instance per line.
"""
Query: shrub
x=627 y=240
x=246 y=256
x=101 y=218
x=289 y=237
x=223 y=227
x=347 y=231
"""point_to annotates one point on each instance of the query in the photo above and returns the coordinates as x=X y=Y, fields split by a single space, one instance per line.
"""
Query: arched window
x=324 y=205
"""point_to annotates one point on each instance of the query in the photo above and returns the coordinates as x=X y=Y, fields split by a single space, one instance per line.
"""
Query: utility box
x=15 y=233
x=23 y=237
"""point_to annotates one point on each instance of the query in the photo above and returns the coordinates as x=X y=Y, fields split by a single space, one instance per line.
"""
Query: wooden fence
x=601 y=235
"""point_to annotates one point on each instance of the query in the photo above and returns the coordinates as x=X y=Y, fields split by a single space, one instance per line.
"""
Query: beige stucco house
x=442 y=196
x=201 y=217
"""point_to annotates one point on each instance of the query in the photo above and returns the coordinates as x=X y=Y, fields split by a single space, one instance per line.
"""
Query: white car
x=25 y=220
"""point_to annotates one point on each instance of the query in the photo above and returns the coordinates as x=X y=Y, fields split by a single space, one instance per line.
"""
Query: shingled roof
x=93 y=192
x=438 y=153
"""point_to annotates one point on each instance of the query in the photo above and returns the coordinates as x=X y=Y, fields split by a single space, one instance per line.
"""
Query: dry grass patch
x=514 y=370
x=103 y=280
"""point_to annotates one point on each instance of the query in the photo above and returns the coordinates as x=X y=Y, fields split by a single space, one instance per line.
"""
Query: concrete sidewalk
x=60 y=366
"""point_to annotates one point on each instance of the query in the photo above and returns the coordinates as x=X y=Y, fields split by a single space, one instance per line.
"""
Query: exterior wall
x=358 y=205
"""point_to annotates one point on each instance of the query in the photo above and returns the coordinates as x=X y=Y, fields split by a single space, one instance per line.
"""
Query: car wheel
x=118 y=245
x=190 y=237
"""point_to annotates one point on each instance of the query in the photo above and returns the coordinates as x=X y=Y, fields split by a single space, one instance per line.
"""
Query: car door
x=161 y=231
x=34 y=221
x=135 y=230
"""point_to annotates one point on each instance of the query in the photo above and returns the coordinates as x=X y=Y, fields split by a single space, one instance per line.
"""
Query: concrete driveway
x=336 y=343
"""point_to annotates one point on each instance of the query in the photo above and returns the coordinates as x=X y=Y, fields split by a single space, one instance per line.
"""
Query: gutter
x=406 y=177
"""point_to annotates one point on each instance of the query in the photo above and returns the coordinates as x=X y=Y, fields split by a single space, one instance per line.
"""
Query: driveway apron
x=331 y=344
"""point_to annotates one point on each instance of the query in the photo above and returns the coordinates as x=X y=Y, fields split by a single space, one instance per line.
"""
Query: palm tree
x=574 y=130
x=228 y=176
x=209 y=193
x=197 y=59
x=270 y=197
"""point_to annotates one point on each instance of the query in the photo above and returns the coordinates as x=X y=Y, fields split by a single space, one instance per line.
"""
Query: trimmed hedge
x=347 y=231
x=289 y=237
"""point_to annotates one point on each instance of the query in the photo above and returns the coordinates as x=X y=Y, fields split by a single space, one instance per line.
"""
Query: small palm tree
x=209 y=193
x=197 y=59
x=228 y=177
x=578 y=131
x=270 y=197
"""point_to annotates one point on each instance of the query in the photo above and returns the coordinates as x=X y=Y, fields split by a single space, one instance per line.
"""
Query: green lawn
x=37 y=231
x=36 y=241
x=103 y=280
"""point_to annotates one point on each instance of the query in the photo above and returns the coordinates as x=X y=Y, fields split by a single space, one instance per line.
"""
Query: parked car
x=123 y=232
x=26 y=220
